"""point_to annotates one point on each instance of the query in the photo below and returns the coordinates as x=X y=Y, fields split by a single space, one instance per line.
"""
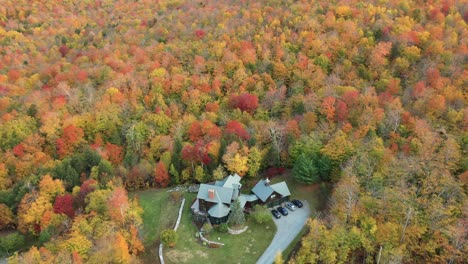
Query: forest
x=99 y=98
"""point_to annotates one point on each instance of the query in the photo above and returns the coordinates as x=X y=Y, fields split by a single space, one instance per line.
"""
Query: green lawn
x=243 y=248
x=159 y=213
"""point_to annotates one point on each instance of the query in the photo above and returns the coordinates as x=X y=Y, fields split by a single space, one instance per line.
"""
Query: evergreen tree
x=237 y=216
x=305 y=171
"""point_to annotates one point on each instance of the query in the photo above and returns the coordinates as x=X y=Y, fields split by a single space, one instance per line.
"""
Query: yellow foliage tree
x=121 y=249
x=236 y=159
x=30 y=213
x=7 y=219
x=4 y=181
x=338 y=148
x=50 y=188
x=77 y=242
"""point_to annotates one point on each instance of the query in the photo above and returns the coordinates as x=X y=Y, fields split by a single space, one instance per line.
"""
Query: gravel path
x=287 y=229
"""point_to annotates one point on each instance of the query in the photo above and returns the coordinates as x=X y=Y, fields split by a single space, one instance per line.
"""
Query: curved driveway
x=287 y=229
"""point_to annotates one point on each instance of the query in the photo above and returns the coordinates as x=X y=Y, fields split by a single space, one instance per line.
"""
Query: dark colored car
x=297 y=203
x=282 y=211
x=275 y=214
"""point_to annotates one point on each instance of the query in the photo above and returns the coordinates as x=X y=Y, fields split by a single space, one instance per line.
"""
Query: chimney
x=211 y=194
x=267 y=182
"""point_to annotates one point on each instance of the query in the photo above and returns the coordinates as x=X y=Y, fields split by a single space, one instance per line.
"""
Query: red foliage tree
x=87 y=187
x=160 y=175
x=212 y=107
x=76 y=258
x=64 y=205
x=196 y=153
x=245 y=102
x=341 y=111
x=328 y=107
x=118 y=205
x=18 y=150
x=350 y=97
x=203 y=130
x=419 y=89
x=63 y=50
x=433 y=78
x=13 y=75
x=292 y=128
x=200 y=33
x=70 y=137
x=235 y=128
x=81 y=76
x=114 y=153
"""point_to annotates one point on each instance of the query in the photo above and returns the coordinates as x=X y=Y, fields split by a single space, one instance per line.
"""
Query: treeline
x=124 y=95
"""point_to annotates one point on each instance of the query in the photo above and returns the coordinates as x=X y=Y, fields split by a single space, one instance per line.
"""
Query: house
x=214 y=200
x=271 y=194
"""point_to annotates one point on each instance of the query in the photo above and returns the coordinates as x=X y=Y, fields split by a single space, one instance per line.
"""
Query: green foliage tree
x=11 y=243
x=65 y=172
x=305 y=171
x=261 y=214
x=254 y=161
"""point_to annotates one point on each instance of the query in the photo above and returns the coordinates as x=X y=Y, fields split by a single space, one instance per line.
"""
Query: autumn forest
x=101 y=98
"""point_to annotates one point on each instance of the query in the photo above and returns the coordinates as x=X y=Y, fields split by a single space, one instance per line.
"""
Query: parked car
x=297 y=203
x=275 y=214
x=290 y=206
x=282 y=211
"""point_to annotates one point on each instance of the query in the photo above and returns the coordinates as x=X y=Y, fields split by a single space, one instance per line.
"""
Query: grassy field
x=159 y=213
x=244 y=248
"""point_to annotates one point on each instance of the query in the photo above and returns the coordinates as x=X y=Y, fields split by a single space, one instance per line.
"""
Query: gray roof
x=250 y=197
x=219 y=210
x=281 y=188
x=231 y=181
x=242 y=201
x=222 y=194
x=263 y=191
x=244 y=198
x=219 y=183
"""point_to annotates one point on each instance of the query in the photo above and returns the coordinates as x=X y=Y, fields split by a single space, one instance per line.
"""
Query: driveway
x=287 y=229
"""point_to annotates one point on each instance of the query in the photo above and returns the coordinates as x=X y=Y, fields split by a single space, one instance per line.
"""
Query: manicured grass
x=159 y=213
x=243 y=248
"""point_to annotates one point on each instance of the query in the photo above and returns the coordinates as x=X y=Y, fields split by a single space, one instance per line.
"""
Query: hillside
x=102 y=97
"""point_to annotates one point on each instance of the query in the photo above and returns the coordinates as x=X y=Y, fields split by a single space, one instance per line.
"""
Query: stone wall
x=237 y=232
x=209 y=241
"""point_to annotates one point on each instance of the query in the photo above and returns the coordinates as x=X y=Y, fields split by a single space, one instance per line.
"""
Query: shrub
x=223 y=228
x=207 y=227
x=261 y=214
x=169 y=237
